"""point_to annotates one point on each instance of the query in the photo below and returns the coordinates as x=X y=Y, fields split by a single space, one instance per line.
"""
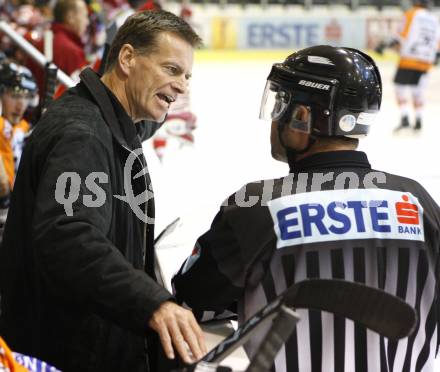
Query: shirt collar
x=331 y=159
x=127 y=125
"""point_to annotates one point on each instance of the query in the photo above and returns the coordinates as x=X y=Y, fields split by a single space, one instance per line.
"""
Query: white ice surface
x=232 y=148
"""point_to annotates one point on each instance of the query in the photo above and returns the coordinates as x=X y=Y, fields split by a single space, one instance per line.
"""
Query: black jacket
x=77 y=291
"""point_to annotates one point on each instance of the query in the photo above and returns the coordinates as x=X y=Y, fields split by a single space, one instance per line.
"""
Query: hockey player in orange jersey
x=17 y=88
x=418 y=43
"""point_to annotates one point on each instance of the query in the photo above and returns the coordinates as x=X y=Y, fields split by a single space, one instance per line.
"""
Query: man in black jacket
x=77 y=280
x=332 y=216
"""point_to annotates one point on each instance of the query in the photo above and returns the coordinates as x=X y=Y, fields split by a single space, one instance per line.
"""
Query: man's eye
x=171 y=69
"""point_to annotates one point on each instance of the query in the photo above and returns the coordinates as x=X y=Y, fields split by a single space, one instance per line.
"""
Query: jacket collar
x=331 y=159
x=125 y=136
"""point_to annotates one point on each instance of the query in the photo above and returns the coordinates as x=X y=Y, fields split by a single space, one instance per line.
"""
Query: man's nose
x=181 y=85
x=20 y=103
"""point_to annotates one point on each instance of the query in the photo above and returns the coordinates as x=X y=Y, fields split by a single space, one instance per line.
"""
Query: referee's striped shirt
x=386 y=236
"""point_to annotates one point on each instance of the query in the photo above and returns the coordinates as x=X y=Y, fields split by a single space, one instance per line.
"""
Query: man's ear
x=301 y=113
x=126 y=58
x=294 y=137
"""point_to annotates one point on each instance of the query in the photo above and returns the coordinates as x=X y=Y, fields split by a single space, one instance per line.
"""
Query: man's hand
x=175 y=326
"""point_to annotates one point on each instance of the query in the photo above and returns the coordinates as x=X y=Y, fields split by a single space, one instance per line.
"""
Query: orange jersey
x=19 y=132
x=7 y=360
x=6 y=149
x=419 y=38
x=11 y=145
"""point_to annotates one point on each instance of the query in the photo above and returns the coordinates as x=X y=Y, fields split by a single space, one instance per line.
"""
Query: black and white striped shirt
x=333 y=217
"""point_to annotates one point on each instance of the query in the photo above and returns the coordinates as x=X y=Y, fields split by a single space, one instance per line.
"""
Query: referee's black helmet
x=341 y=87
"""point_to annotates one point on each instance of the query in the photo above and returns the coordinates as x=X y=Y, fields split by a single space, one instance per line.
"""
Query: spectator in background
x=418 y=43
x=69 y=28
x=27 y=20
x=123 y=12
x=70 y=22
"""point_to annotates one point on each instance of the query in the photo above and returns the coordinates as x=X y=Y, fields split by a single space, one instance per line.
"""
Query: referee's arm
x=212 y=278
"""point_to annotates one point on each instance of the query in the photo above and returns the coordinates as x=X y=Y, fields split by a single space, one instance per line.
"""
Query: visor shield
x=275 y=101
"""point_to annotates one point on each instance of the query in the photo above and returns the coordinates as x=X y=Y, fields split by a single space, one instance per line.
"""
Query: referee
x=332 y=216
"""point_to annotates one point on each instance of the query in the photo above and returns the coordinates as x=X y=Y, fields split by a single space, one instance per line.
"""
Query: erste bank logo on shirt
x=346 y=214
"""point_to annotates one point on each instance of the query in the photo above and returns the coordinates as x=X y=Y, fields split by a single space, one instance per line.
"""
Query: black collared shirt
x=331 y=159
x=128 y=127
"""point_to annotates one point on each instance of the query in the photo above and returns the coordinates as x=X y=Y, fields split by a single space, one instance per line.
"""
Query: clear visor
x=274 y=102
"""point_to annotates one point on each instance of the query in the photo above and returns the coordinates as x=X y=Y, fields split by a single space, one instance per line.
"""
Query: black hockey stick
x=281 y=329
x=50 y=75
x=283 y=324
x=381 y=307
x=50 y=85
x=167 y=230
x=380 y=311
x=370 y=307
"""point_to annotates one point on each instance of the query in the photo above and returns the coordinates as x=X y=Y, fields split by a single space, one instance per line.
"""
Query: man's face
x=14 y=105
x=156 y=79
x=278 y=151
x=78 y=20
x=292 y=138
